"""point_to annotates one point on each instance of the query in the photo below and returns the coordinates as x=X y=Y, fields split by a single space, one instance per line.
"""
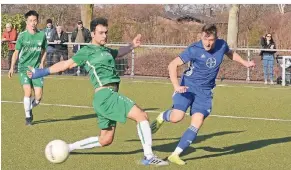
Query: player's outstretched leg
x=105 y=139
x=171 y=115
x=188 y=137
x=145 y=135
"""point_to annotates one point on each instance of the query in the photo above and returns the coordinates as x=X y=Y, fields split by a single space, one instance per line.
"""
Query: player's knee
x=27 y=93
x=144 y=115
x=177 y=116
x=137 y=114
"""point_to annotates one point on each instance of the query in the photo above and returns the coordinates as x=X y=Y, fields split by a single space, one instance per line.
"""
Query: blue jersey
x=204 y=65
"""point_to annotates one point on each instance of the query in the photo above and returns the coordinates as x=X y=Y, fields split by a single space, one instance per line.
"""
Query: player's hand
x=136 y=41
x=181 y=89
x=250 y=64
x=10 y=72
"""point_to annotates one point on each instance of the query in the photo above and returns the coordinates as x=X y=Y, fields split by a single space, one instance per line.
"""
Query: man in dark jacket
x=60 y=37
x=49 y=30
x=80 y=35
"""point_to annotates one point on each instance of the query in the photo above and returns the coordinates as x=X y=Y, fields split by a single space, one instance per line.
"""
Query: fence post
x=78 y=71
x=248 y=69
x=283 y=71
x=132 y=63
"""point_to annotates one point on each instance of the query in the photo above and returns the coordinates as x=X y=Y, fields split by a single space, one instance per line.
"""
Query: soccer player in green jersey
x=109 y=105
x=31 y=50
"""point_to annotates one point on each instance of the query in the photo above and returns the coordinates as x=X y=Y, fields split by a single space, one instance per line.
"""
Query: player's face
x=31 y=22
x=100 y=35
x=208 y=41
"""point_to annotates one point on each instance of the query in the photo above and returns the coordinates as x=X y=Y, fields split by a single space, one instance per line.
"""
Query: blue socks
x=188 y=137
x=166 y=115
x=38 y=72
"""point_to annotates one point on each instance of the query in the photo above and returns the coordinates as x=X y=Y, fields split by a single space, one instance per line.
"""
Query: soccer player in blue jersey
x=195 y=88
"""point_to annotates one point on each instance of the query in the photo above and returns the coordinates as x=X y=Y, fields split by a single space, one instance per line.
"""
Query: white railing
x=249 y=52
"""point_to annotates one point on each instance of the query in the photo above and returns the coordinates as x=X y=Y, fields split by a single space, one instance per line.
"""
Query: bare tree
x=281 y=8
x=86 y=14
x=232 y=35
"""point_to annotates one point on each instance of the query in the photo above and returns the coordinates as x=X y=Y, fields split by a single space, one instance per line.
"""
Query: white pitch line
x=47 y=104
x=153 y=111
x=168 y=83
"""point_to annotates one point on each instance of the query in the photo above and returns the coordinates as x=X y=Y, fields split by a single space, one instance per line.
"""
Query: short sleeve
x=187 y=55
x=81 y=57
x=19 y=43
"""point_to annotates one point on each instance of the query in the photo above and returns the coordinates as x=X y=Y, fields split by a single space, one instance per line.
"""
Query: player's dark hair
x=98 y=21
x=210 y=29
x=31 y=13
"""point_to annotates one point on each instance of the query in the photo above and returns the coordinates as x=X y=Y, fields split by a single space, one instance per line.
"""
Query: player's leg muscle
x=137 y=114
x=107 y=136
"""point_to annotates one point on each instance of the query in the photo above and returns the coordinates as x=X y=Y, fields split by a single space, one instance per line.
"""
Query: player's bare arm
x=174 y=75
x=236 y=57
x=43 y=54
x=14 y=58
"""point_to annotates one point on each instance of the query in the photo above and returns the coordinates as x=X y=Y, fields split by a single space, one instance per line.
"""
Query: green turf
x=222 y=143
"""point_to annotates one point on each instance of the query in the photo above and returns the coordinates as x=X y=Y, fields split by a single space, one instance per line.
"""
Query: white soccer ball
x=57 y=151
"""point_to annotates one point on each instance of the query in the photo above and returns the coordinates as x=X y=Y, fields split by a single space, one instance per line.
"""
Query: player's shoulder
x=41 y=33
x=22 y=34
x=195 y=46
x=221 y=41
x=105 y=48
x=88 y=49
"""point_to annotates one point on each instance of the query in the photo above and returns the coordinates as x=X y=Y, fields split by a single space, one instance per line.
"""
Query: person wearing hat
x=49 y=32
x=80 y=35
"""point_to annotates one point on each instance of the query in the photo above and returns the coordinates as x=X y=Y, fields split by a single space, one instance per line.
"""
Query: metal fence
x=152 y=60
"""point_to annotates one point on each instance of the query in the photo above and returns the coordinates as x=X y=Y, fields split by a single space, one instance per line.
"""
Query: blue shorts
x=199 y=100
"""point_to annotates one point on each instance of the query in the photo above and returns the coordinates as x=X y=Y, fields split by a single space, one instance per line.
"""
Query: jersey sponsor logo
x=211 y=62
x=32 y=49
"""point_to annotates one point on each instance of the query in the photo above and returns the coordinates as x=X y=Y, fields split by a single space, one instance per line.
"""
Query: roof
x=197 y=17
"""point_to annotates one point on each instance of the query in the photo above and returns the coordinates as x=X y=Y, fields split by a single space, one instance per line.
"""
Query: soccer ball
x=57 y=151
